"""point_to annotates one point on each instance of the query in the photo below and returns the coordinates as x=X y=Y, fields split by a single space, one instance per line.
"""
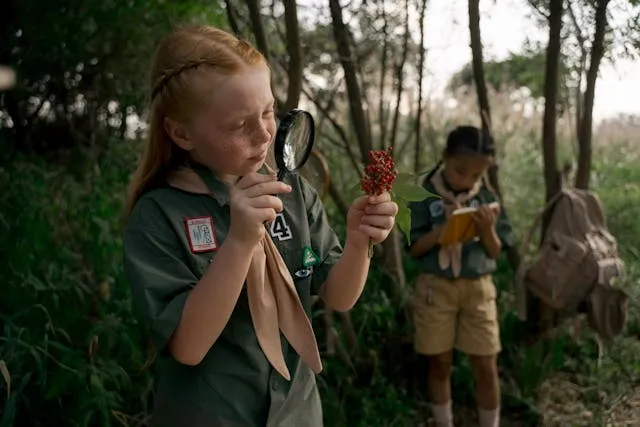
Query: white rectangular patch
x=201 y=234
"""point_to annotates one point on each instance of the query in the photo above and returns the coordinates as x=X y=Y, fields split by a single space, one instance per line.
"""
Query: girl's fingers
x=384 y=197
x=360 y=203
x=379 y=221
x=374 y=233
x=268 y=187
x=252 y=179
x=266 y=201
x=385 y=208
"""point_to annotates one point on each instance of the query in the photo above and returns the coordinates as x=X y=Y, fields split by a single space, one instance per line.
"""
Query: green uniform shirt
x=429 y=213
x=234 y=385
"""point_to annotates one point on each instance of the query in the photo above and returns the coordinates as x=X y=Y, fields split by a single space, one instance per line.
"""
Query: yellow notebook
x=460 y=227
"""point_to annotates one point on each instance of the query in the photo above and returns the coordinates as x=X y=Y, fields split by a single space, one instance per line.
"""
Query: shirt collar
x=218 y=189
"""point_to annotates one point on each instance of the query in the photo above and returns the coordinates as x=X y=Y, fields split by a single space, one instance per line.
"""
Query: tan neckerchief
x=451 y=255
x=274 y=302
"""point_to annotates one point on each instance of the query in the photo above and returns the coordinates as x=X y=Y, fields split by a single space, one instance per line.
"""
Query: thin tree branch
x=333 y=140
x=231 y=17
x=353 y=87
x=359 y=55
x=400 y=77
x=478 y=66
x=404 y=144
x=582 y=42
x=255 y=18
x=537 y=313
x=382 y=118
x=535 y=6
x=586 y=128
x=484 y=107
x=418 y=124
x=257 y=27
x=294 y=49
x=337 y=127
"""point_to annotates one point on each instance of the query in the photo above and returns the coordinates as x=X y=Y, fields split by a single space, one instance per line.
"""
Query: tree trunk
x=393 y=258
x=418 y=126
x=358 y=118
x=539 y=316
x=483 y=105
x=382 y=116
x=257 y=27
x=478 y=65
x=400 y=78
x=582 y=67
x=480 y=83
x=294 y=49
x=586 y=122
x=231 y=17
x=549 y=150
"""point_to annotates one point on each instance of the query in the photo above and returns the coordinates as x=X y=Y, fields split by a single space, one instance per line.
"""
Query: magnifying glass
x=294 y=141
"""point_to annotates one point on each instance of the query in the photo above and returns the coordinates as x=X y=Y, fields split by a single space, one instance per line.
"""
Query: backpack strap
x=537 y=221
x=596 y=210
x=579 y=220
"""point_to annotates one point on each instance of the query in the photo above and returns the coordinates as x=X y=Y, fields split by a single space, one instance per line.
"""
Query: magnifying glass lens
x=294 y=141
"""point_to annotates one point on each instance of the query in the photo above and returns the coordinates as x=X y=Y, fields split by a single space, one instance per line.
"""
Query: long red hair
x=183 y=68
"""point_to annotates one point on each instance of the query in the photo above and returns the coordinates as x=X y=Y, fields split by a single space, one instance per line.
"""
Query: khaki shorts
x=457 y=313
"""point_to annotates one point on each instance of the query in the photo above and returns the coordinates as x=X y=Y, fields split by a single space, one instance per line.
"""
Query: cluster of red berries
x=380 y=173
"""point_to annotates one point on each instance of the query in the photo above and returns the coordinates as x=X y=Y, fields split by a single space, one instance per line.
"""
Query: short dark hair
x=465 y=140
x=469 y=140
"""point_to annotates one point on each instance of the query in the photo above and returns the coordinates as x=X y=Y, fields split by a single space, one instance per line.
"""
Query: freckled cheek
x=227 y=146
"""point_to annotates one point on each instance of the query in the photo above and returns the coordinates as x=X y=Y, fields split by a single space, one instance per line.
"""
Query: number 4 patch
x=280 y=229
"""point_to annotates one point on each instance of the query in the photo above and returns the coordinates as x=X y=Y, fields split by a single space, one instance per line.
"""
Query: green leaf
x=410 y=192
x=404 y=178
x=11 y=405
x=423 y=176
x=403 y=220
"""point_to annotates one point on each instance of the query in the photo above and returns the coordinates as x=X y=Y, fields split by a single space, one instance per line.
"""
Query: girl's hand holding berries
x=372 y=217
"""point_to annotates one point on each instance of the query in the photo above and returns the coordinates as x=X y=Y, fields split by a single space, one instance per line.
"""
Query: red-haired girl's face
x=234 y=129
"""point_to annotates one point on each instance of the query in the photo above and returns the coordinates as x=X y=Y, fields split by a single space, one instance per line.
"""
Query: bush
x=70 y=344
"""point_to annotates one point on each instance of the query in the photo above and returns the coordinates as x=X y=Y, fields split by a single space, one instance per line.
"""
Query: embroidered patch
x=436 y=209
x=303 y=273
x=201 y=234
x=309 y=257
x=279 y=228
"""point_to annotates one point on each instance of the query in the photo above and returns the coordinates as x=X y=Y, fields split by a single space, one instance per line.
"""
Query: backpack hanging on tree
x=576 y=263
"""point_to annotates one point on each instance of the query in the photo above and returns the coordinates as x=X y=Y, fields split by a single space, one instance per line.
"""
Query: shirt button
x=274 y=385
